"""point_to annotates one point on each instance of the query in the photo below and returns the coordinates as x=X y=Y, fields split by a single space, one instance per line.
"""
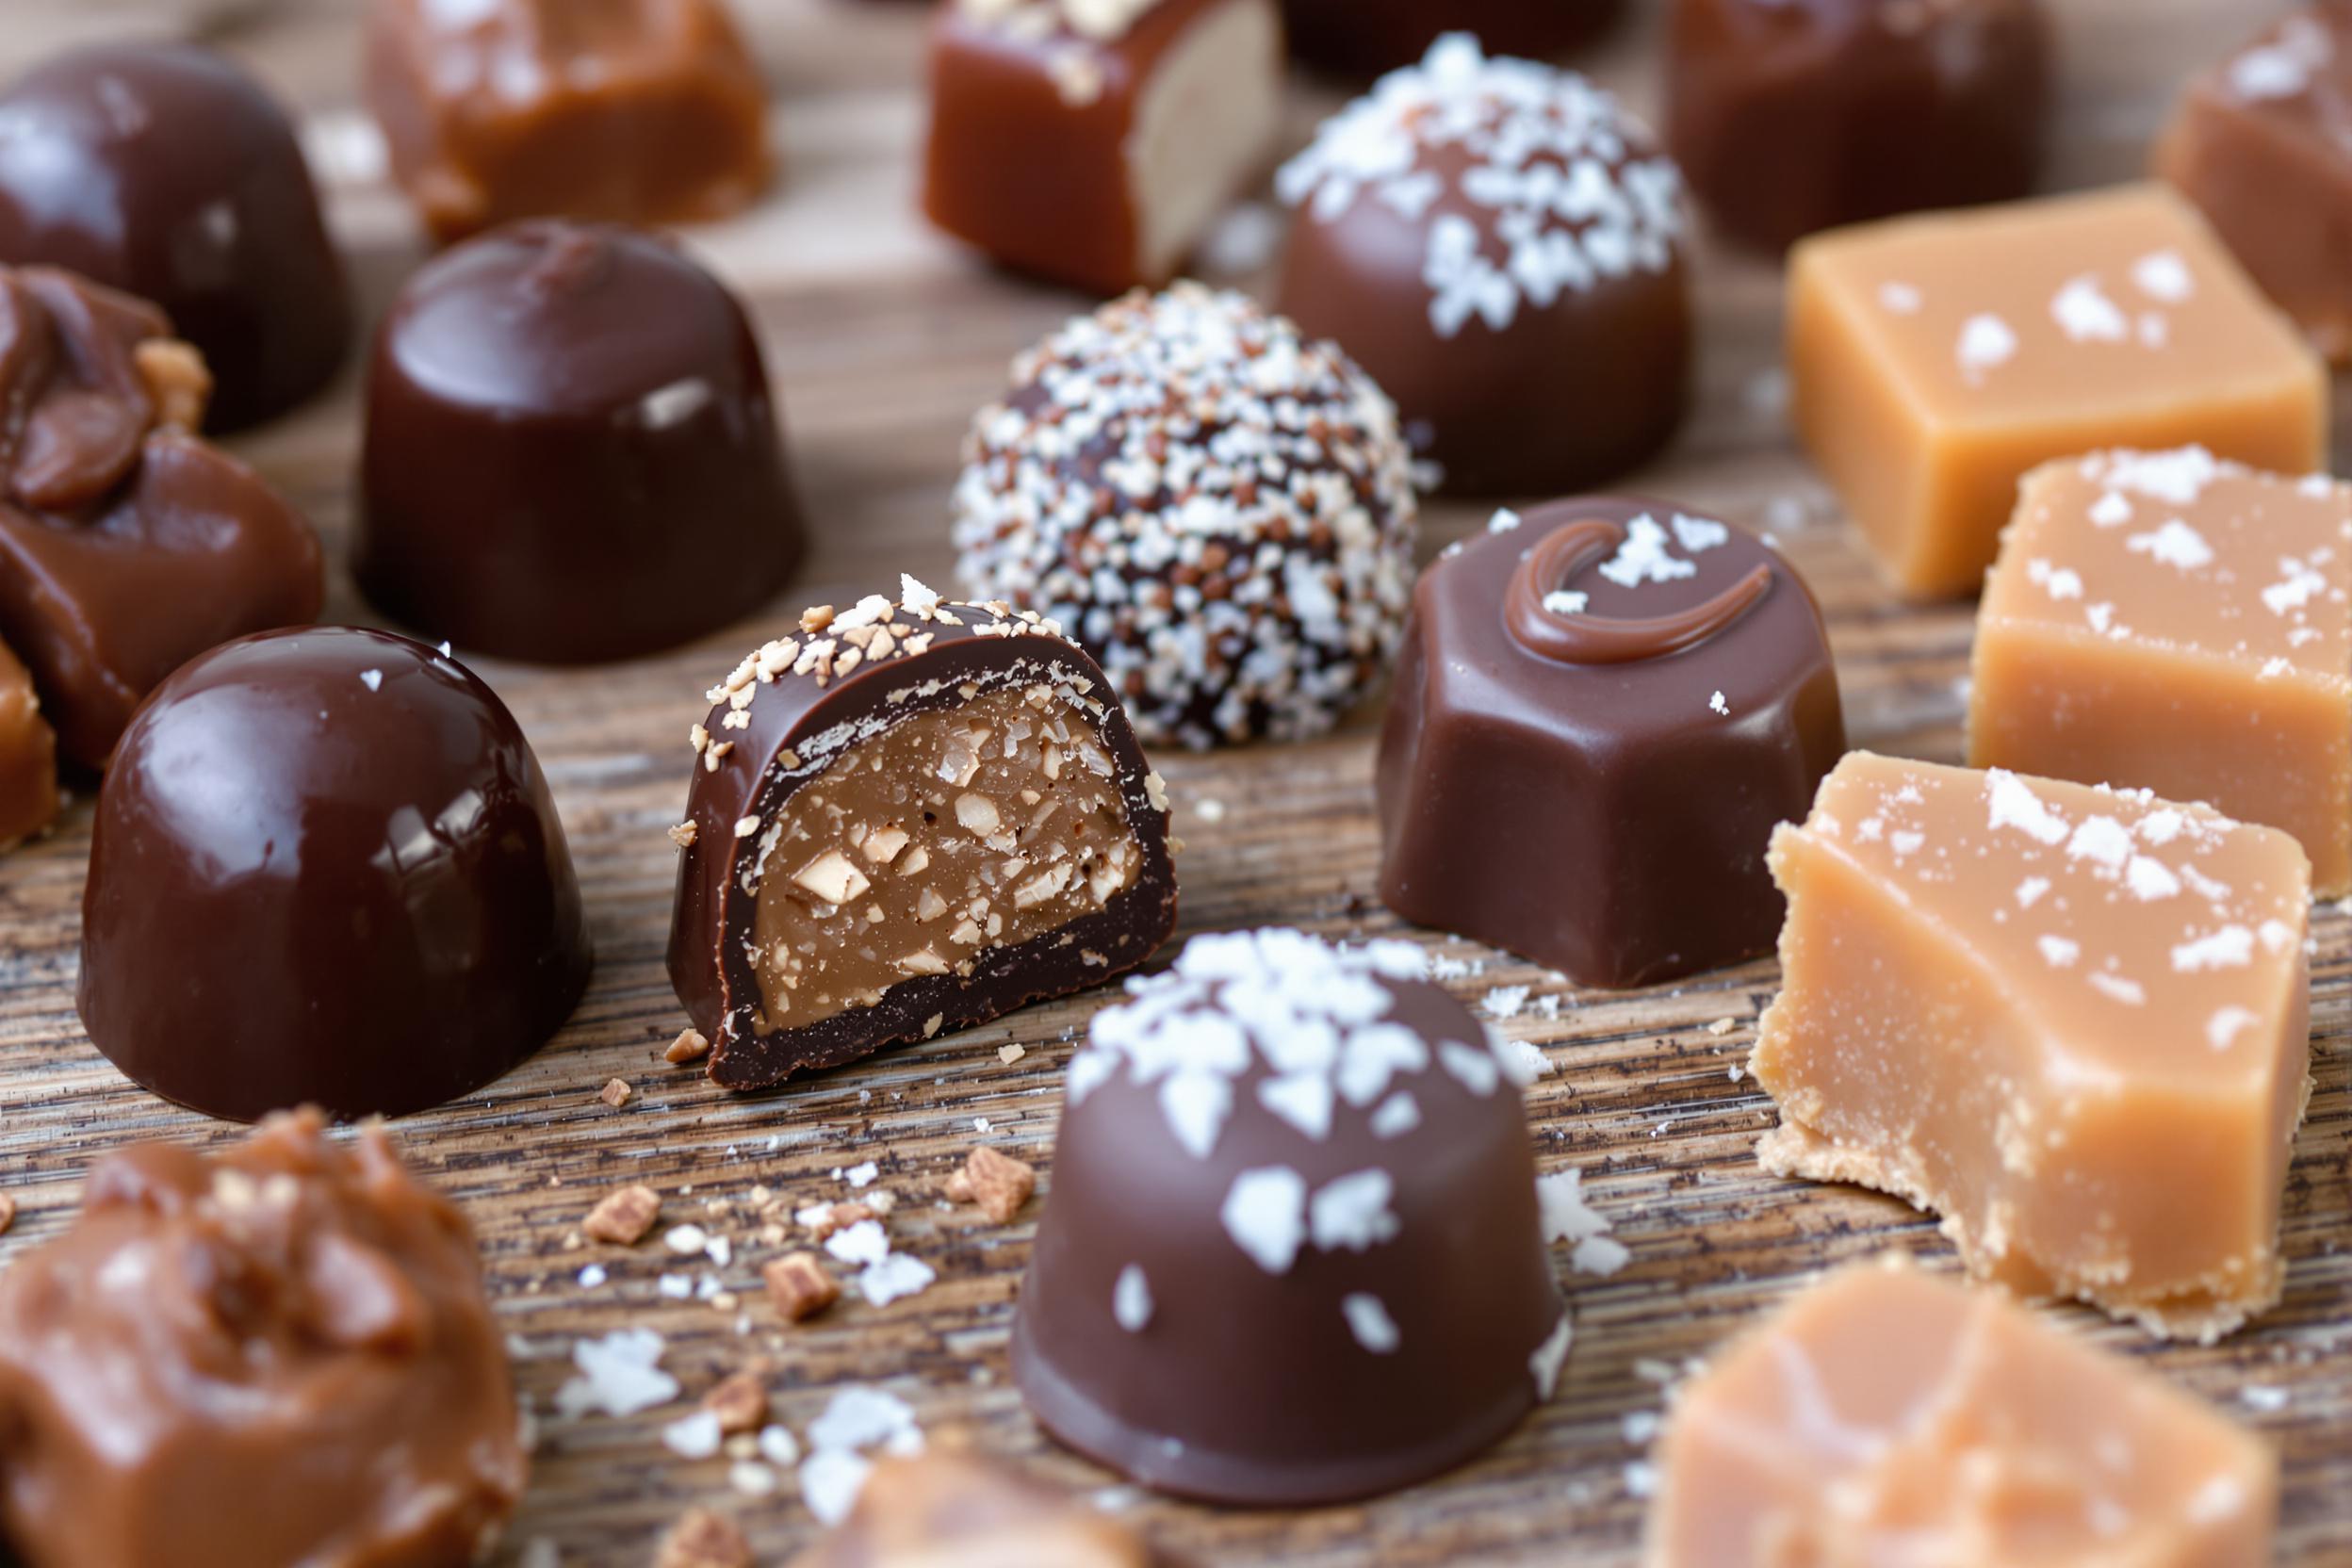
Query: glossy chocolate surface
x=1364 y=38
x=1791 y=116
x=795 y=726
x=168 y=172
x=570 y=453
x=1600 y=713
x=280 y=1357
x=126 y=544
x=326 y=870
x=1292 y=1253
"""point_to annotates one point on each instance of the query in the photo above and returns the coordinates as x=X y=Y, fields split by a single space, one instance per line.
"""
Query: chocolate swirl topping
x=1574 y=637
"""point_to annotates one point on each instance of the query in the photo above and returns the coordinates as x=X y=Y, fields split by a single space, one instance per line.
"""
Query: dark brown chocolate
x=1601 y=711
x=641 y=112
x=280 y=1357
x=168 y=172
x=570 y=452
x=1502 y=248
x=1790 y=116
x=126 y=544
x=1292 y=1252
x=1364 y=38
x=326 y=870
x=908 y=818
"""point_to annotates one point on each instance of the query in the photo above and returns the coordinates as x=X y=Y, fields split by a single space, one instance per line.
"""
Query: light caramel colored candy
x=948 y=1510
x=1935 y=360
x=2072 y=1020
x=1885 y=1416
x=2171 y=622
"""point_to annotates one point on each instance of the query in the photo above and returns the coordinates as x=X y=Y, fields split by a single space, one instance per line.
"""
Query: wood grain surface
x=883 y=339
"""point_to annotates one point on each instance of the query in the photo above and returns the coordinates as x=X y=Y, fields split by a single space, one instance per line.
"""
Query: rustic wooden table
x=884 y=339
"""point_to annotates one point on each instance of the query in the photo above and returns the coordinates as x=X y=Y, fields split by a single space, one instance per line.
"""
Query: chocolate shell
x=910 y=818
x=1364 y=38
x=326 y=870
x=1292 y=1253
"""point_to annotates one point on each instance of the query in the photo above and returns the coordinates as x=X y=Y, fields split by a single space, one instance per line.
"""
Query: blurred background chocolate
x=1501 y=247
x=1790 y=116
x=1600 y=713
x=1292 y=1253
x=1364 y=38
x=326 y=870
x=1093 y=141
x=279 y=1356
x=127 y=544
x=570 y=452
x=168 y=172
x=950 y=1510
x=29 y=756
x=647 y=112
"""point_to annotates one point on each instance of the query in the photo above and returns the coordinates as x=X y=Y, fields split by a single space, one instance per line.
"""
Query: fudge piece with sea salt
x=2071 y=1020
x=1887 y=1416
x=1935 y=360
x=2171 y=622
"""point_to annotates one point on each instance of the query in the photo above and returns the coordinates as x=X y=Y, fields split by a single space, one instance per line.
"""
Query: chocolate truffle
x=1501 y=247
x=1790 y=116
x=1292 y=1253
x=168 y=172
x=326 y=871
x=948 y=1510
x=1601 y=711
x=1220 y=510
x=1094 y=142
x=909 y=817
x=645 y=111
x=280 y=1357
x=1364 y=38
x=570 y=452
x=127 y=545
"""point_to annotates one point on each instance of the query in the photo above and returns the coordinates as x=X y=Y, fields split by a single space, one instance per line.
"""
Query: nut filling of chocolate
x=953 y=832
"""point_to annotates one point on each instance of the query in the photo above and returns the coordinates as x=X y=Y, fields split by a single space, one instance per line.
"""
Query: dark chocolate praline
x=168 y=172
x=570 y=454
x=1364 y=38
x=326 y=870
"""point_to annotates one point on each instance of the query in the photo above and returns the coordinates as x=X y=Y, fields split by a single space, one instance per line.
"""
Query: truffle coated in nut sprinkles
x=1220 y=510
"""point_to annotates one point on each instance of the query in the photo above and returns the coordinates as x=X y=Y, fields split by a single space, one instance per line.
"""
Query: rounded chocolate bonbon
x=1601 y=711
x=1363 y=38
x=1501 y=247
x=570 y=453
x=326 y=870
x=168 y=172
x=1292 y=1255
x=1217 y=508
x=1791 y=116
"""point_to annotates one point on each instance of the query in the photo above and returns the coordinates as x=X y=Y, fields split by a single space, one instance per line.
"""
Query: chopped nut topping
x=831 y=877
x=883 y=845
x=746 y=826
x=616 y=1094
x=176 y=379
x=922 y=961
x=690 y=1046
x=997 y=1183
x=702 y=1539
x=799 y=1286
x=683 y=835
x=623 y=1215
x=740 y=1400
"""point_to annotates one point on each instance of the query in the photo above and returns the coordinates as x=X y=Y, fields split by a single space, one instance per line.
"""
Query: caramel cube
x=2175 y=623
x=1885 y=1416
x=1935 y=360
x=2071 y=1019
x=28 y=757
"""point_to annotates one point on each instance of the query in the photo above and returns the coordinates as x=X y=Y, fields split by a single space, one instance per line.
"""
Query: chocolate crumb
x=740 y=1399
x=997 y=1183
x=825 y=1220
x=690 y=1046
x=623 y=1215
x=702 y=1539
x=799 y=1286
x=616 y=1093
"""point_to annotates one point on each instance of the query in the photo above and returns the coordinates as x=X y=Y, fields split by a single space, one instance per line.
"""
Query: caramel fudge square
x=2072 y=1020
x=1935 y=360
x=2172 y=622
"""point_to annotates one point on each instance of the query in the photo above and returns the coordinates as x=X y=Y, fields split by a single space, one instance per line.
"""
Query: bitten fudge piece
x=1935 y=360
x=2171 y=622
x=1092 y=142
x=29 y=756
x=2071 y=1020
x=2258 y=143
x=1887 y=1416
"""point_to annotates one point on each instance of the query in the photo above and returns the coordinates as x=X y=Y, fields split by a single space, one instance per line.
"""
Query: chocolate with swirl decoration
x=1601 y=711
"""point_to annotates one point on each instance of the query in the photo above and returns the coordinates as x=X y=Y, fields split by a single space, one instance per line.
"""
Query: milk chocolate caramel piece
x=325 y=869
x=2255 y=143
x=1935 y=360
x=1292 y=1253
x=1885 y=1416
x=2171 y=622
x=167 y=172
x=2071 y=1020
x=127 y=545
x=28 y=757
x=640 y=111
x=1500 y=246
x=1655 y=689
x=1791 y=116
x=1364 y=38
x=275 y=1358
x=948 y=1510
x=1093 y=141
x=907 y=819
